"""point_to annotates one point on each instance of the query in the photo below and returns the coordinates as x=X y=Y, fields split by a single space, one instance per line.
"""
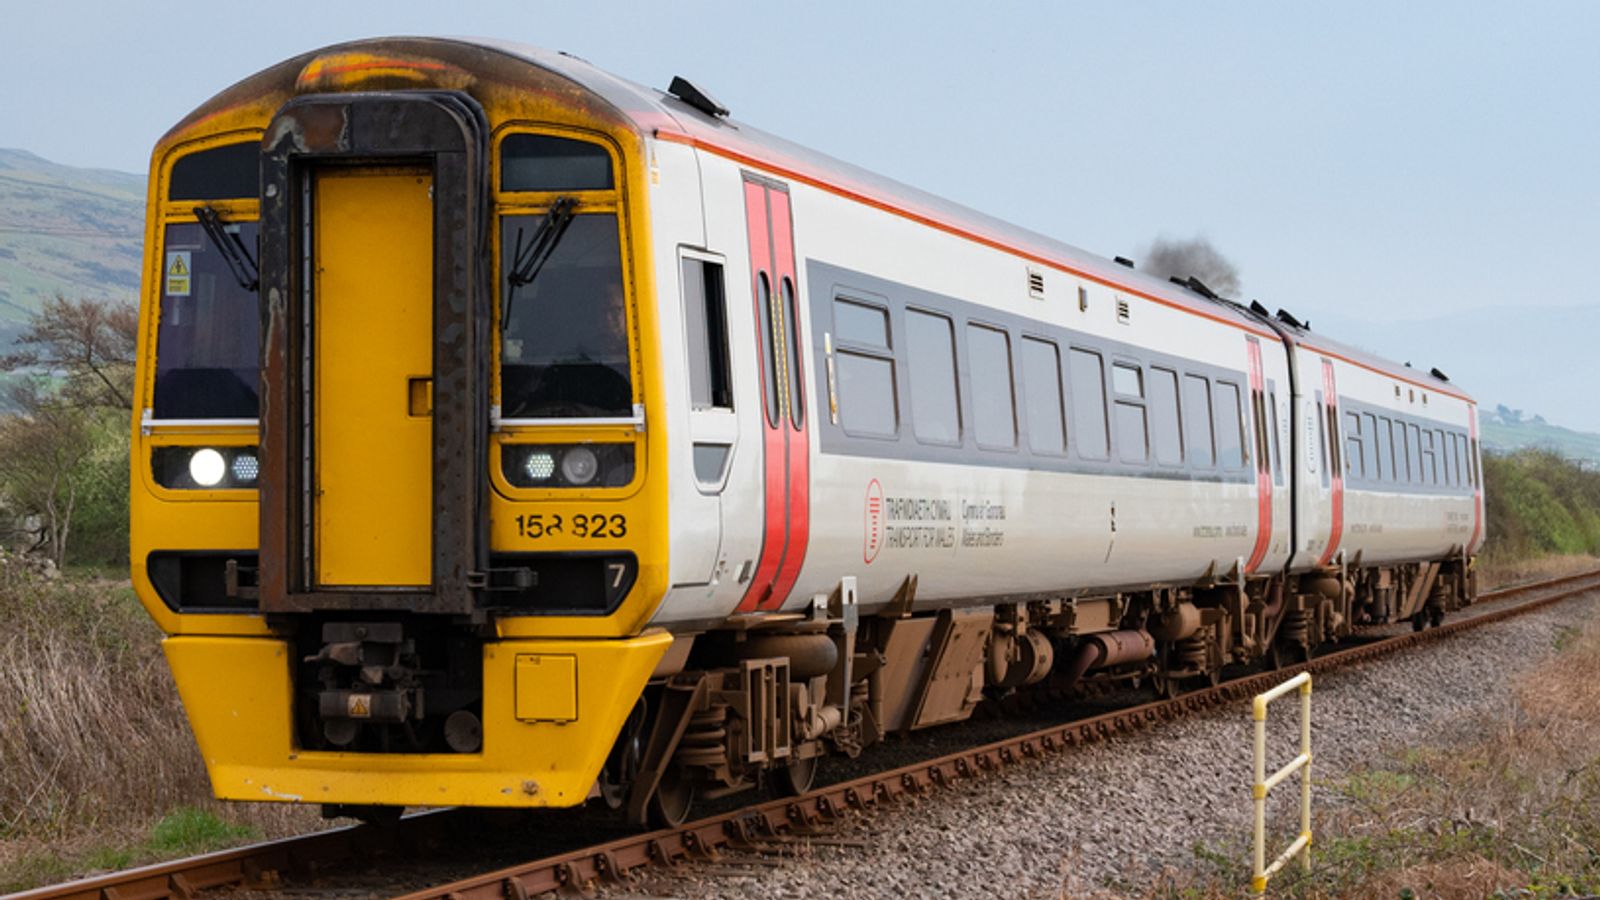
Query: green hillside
x=1509 y=430
x=64 y=230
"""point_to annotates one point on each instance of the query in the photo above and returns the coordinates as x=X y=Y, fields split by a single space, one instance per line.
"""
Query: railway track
x=757 y=826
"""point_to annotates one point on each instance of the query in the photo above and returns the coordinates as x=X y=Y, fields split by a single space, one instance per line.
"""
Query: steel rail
x=751 y=826
x=264 y=865
x=268 y=864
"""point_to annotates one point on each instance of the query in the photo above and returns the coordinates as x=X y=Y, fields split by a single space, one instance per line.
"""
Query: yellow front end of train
x=398 y=498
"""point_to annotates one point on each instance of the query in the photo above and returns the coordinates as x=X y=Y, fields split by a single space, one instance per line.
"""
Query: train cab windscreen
x=564 y=335
x=208 y=362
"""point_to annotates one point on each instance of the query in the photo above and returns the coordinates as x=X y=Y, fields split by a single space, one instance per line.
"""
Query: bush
x=1540 y=504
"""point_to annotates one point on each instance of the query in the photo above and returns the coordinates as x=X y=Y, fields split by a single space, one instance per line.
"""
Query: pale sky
x=1372 y=160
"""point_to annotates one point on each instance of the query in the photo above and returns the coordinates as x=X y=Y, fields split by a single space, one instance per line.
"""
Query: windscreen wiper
x=528 y=259
x=232 y=248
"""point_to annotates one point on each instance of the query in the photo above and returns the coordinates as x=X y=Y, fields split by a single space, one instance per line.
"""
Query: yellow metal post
x=1260 y=871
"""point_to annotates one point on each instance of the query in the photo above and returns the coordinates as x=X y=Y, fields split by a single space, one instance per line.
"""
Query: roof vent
x=1199 y=287
x=1036 y=284
x=685 y=90
x=1438 y=374
x=1124 y=261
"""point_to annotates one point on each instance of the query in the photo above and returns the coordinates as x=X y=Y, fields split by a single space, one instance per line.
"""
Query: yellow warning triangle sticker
x=178 y=268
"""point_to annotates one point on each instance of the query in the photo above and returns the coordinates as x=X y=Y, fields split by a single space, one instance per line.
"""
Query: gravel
x=1110 y=817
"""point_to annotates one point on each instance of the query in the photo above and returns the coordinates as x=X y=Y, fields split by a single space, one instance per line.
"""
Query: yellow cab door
x=372 y=368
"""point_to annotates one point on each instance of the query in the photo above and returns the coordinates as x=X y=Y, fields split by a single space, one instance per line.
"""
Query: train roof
x=658 y=114
x=669 y=117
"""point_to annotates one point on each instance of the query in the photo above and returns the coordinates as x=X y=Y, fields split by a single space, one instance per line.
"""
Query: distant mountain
x=64 y=230
x=1507 y=430
x=1525 y=357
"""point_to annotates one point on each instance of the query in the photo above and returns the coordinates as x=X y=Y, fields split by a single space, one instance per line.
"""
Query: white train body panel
x=1430 y=509
x=988 y=525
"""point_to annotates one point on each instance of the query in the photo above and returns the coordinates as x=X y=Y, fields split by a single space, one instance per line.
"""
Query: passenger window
x=1133 y=430
x=1041 y=388
x=994 y=402
x=1414 y=450
x=1352 y=436
x=1166 y=423
x=1402 y=454
x=857 y=323
x=1197 y=416
x=868 y=402
x=1230 y=426
x=931 y=359
x=1447 y=475
x=1088 y=381
x=1369 y=431
x=544 y=162
x=1431 y=442
x=1385 y=433
x=705 y=318
x=866 y=395
x=1461 y=460
x=1127 y=380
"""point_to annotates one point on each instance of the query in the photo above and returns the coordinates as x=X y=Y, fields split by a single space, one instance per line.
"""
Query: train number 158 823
x=599 y=525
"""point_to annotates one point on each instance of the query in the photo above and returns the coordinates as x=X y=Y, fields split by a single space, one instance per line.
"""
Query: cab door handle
x=419 y=396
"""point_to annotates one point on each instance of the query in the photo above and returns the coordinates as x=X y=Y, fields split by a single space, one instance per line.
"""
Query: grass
x=1506 y=806
x=186 y=831
x=98 y=767
x=1498 y=571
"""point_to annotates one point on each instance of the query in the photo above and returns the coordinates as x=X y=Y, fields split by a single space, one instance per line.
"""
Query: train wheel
x=1419 y=622
x=1165 y=686
x=1282 y=655
x=622 y=766
x=797 y=777
x=669 y=806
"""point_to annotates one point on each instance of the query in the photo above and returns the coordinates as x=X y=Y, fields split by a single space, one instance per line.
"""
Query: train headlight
x=539 y=466
x=207 y=467
x=579 y=466
x=567 y=465
x=246 y=468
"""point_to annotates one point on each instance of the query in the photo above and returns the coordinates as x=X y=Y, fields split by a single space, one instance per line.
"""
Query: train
x=509 y=434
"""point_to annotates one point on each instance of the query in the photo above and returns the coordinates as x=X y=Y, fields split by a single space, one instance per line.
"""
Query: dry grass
x=1496 y=572
x=97 y=761
x=1506 y=805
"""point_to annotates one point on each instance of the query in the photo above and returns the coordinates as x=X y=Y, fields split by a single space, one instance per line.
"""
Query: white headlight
x=579 y=466
x=246 y=468
x=207 y=467
x=540 y=465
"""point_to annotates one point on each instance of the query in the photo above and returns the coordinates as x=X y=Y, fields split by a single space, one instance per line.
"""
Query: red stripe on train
x=1477 y=490
x=1258 y=388
x=1336 y=476
x=755 y=204
x=799 y=446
